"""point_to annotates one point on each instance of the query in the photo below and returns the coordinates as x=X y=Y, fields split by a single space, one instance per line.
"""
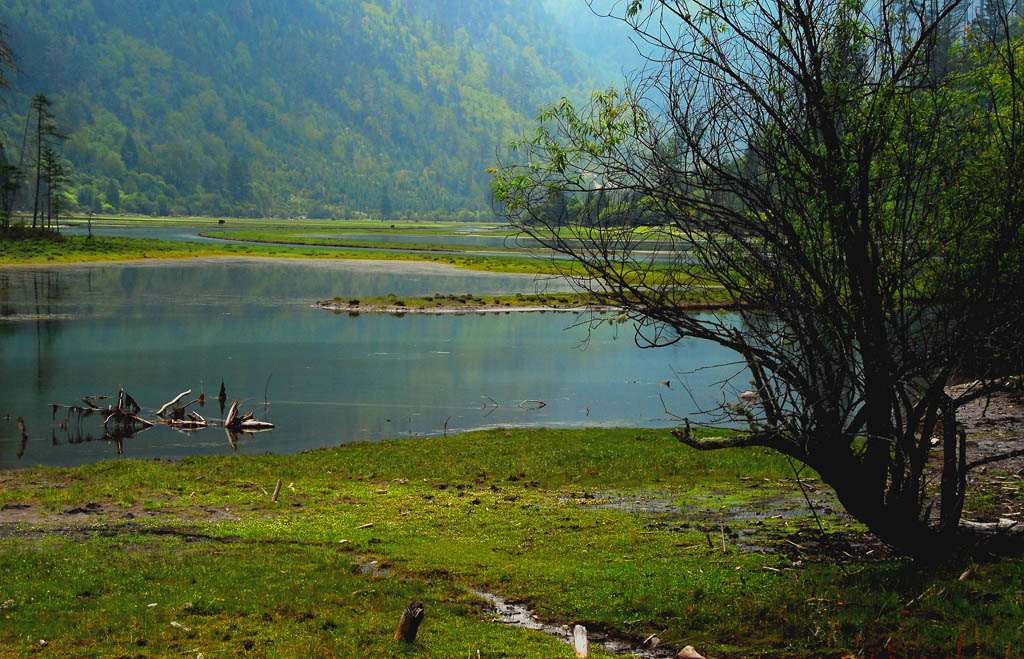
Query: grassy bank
x=625 y=531
x=304 y=237
x=28 y=250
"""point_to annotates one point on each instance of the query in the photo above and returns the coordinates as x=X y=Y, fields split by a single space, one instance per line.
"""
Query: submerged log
x=409 y=623
x=252 y=425
x=186 y=424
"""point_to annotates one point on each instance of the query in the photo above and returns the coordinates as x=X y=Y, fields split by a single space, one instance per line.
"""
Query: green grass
x=79 y=249
x=302 y=237
x=361 y=226
x=528 y=514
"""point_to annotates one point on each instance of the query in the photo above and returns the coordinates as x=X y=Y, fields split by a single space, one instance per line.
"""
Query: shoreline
x=487 y=308
x=398 y=310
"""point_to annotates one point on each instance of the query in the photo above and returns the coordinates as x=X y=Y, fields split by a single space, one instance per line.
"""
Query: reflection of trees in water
x=49 y=290
x=77 y=435
x=74 y=433
x=41 y=294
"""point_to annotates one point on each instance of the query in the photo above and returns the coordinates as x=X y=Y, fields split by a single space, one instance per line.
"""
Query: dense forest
x=320 y=108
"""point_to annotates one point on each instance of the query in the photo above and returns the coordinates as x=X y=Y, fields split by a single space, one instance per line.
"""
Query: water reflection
x=158 y=329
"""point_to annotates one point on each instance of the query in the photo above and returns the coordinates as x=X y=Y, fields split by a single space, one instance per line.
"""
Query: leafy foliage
x=850 y=171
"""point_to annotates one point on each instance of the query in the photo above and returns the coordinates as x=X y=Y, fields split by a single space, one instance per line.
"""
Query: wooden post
x=277 y=491
x=409 y=624
x=580 y=643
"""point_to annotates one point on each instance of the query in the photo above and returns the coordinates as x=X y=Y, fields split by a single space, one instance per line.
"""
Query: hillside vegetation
x=325 y=108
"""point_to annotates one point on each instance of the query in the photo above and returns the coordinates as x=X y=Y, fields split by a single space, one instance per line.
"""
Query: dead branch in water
x=171 y=403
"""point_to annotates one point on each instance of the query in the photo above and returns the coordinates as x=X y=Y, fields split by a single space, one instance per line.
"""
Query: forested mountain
x=306 y=107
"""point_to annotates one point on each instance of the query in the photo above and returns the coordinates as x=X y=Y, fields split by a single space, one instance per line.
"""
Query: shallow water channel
x=158 y=328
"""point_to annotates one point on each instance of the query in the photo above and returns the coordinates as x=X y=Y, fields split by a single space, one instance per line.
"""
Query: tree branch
x=992 y=458
x=768 y=439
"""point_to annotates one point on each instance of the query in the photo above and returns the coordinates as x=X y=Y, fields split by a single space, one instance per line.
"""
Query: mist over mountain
x=325 y=108
x=594 y=29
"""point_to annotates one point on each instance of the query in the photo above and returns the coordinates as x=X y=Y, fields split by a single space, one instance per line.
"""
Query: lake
x=158 y=328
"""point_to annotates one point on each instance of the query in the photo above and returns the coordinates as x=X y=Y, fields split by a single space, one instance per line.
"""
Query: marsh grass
x=529 y=514
x=79 y=249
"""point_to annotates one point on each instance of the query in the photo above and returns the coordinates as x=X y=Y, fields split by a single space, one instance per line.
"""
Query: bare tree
x=811 y=161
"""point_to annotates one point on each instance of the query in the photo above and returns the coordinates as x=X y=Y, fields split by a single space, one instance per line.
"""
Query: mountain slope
x=320 y=107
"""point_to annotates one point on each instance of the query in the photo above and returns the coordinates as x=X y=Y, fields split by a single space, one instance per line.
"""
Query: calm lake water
x=158 y=328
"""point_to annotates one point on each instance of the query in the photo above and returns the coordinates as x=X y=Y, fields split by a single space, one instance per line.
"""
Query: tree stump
x=410 y=622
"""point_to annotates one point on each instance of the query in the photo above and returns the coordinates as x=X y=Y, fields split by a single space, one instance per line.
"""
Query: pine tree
x=46 y=134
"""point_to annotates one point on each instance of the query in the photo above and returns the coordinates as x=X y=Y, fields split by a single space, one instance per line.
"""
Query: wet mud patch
x=995 y=426
x=516 y=614
x=774 y=521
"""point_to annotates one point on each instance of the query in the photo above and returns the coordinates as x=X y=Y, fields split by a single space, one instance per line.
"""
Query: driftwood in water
x=409 y=624
x=125 y=415
x=126 y=404
x=122 y=418
x=179 y=412
x=229 y=420
x=244 y=422
x=171 y=403
x=252 y=425
x=222 y=396
x=194 y=422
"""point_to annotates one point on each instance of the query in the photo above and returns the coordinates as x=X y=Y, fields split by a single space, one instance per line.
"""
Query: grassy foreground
x=625 y=531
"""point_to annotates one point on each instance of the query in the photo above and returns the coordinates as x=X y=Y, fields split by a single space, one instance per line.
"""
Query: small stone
x=689 y=653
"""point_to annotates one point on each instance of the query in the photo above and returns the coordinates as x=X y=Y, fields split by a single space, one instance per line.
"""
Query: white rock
x=580 y=642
